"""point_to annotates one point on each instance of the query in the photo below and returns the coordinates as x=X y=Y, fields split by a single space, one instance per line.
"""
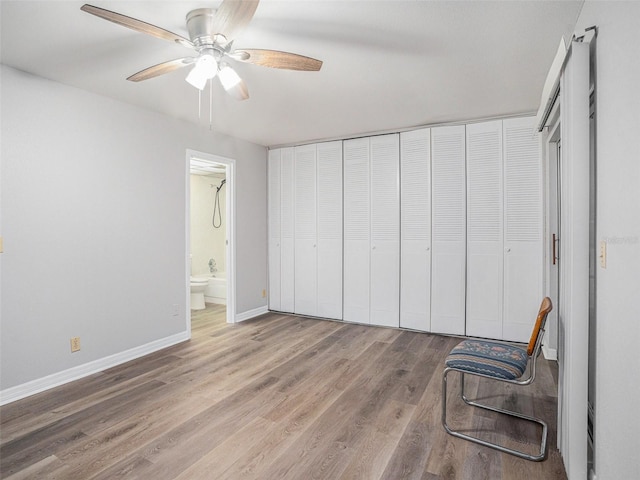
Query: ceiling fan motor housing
x=200 y=26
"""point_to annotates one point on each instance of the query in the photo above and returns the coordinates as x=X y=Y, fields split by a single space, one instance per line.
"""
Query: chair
x=498 y=361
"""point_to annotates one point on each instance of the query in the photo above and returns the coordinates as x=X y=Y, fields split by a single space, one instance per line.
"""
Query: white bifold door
x=523 y=258
x=504 y=229
x=274 y=206
x=318 y=230
x=448 y=234
x=287 y=239
x=306 y=242
x=415 y=230
x=372 y=230
x=281 y=232
x=485 y=245
x=329 y=217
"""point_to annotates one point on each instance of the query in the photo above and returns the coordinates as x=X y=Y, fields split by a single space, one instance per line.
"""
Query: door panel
x=330 y=230
x=306 y=294
x=448 y=260
x=415 y=224
x=274 y=229
x=356 y=230
x=385 y=231
x=523 y=228
x=485 y=250
x=287 y=241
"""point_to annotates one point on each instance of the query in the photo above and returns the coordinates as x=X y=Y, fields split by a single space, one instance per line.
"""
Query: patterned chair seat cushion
x=488 y=358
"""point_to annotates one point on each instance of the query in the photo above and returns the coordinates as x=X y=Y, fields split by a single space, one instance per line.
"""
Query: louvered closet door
x=287 y=252
x=415 y=224
x=274 y=229
x=356 y=230
x=329 y=184
x=385 y=230
x=523 y=227
x=448 y=262
x=306 y=261
x=484 y=230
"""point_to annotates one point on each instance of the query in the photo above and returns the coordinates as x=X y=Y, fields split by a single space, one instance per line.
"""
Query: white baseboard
x=241 y=317
x=549 y=353
x=12 y=394
x=216 y=300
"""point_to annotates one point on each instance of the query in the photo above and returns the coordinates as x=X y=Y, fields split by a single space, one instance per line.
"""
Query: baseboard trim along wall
x=549 y=353
x=75 y=373
x=256 y=312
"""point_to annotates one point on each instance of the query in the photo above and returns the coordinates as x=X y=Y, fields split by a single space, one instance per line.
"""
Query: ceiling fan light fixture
x=205 y=69
x=228 y=77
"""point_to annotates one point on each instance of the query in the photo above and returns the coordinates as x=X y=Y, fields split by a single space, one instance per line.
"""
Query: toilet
x=198 y=286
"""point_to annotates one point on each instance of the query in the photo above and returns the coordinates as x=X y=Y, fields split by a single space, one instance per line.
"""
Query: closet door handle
x=553 y=249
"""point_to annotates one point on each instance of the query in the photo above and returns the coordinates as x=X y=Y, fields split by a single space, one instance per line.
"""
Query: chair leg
x=455 y=433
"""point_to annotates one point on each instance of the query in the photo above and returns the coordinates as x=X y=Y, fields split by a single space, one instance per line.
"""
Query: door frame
x=230 y=208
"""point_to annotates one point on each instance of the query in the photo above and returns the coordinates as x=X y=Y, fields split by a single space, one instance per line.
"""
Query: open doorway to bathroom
x=210 y=265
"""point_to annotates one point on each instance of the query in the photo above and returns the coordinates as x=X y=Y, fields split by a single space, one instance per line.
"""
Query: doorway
x=218 y=175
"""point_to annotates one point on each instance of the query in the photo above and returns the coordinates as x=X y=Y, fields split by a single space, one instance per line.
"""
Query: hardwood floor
x=277 y=397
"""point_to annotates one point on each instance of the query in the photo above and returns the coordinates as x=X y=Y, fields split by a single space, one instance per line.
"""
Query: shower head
x=224 y=180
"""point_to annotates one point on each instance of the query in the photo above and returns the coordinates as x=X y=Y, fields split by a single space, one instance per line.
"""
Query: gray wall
x=93 y=221
x=618 y=223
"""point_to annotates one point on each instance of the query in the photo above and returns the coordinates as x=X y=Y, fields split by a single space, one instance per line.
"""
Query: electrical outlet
x=264 y=293
x=176 y=310
x=75 y=344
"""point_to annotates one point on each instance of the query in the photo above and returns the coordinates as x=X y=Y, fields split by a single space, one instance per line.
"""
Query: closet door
x=274 y=229
x=356 y=230
x=306 y=261
x=329 y=184
x=287 y=252
x=385 y=230
x=485 y=251
x=523 y=227
x=415 y=233
x=448 y=262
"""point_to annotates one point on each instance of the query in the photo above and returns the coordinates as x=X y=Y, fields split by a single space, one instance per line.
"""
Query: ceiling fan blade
x=160 y=69
x=233 y=16
x=137 y=25
x=277 y=59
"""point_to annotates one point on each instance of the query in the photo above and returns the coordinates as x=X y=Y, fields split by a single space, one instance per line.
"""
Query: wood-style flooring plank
x=279 y=396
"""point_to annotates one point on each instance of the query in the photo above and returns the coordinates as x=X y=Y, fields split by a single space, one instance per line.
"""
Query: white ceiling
x=388 y=65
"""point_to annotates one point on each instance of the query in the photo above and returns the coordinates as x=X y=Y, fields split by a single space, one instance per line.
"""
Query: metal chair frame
x=531 y=367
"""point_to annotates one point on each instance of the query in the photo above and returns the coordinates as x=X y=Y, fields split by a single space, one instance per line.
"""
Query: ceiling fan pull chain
x=199 y=104
x=210 y=104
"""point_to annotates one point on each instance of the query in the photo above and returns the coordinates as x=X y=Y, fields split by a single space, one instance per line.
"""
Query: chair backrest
x=545 y=308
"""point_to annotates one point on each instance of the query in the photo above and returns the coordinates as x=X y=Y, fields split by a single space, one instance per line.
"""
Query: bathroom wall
x=206 y=241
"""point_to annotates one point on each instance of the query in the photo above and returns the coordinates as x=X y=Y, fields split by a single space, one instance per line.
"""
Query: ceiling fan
x=211 y=35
